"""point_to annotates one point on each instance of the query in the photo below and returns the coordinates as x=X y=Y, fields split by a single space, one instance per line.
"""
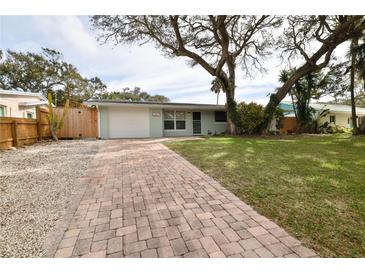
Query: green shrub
x=250 y=117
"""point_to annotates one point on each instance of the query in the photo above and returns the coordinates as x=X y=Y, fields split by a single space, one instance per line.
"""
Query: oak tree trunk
x=352 y=86
x=232 y=115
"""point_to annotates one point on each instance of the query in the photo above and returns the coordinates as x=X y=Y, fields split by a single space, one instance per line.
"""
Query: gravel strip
x=36 y=184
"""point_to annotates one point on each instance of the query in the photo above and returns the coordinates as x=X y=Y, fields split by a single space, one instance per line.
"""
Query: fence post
x=39 y=126
x=14 y=131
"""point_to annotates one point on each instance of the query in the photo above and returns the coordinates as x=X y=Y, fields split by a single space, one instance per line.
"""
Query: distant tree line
x=134 y=94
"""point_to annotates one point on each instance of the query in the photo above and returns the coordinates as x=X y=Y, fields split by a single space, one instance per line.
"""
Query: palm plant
x=216 y=87
x=317 y=117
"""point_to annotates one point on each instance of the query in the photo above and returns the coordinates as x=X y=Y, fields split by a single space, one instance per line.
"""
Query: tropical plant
x=55 y=121
x=317 y=117
x=216 y=87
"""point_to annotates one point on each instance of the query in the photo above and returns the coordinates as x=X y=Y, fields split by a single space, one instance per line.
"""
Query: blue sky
x=126 y=66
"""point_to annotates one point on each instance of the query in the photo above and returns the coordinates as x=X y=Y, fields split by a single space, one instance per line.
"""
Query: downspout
x=98 y=112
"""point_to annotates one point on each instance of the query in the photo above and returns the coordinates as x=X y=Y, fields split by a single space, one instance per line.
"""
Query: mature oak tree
x=314 y=38
x=216 y=43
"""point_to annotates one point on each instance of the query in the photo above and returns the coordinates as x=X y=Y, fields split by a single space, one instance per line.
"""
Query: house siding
x=11 y=103
x=188 y=124
x=156 y=122
x=208 y=125
x=341 y=119
x=103 y=122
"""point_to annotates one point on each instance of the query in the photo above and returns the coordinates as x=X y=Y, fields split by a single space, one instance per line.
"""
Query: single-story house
x=126 y=119
x=20 y=104
x=339 y=115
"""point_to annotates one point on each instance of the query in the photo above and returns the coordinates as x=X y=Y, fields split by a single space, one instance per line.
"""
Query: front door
x=197 y=123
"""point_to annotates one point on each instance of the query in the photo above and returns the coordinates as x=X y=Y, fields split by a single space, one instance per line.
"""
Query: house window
x=2 y=111
x=174 y=120
x=220 y=116
x=333 y=119
x=29 y=115
x=169 y=120
x=180 y=120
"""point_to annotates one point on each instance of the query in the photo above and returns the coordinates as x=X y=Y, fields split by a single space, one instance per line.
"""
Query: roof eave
x=22 y=93
x=157 y=105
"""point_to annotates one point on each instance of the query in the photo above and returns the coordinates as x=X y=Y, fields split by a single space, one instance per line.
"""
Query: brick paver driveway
x=144 y=200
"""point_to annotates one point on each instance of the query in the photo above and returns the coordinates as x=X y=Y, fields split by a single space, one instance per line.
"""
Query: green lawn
x=313 y=186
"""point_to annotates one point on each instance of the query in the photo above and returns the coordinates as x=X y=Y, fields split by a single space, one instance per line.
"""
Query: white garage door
x=127 y=122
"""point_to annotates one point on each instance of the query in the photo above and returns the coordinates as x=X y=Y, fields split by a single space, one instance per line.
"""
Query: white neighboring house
x=19 y=104
x=339 y=115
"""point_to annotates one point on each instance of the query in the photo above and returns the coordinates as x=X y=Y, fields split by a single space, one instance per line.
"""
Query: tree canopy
x=47 y=72
x=134 y=94
x=313 y=39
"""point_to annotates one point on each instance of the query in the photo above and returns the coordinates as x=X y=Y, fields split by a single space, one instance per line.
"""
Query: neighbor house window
x=220 y=116
x=2 y=111
x=333 y=119
x=174 y=120
x=29 y=115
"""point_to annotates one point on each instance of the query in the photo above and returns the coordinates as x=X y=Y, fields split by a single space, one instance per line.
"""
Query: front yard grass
x=313 y=186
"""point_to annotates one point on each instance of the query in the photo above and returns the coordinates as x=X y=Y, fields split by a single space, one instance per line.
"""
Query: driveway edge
x=55 y=236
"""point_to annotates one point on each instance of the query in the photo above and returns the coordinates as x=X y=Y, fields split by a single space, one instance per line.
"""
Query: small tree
x=55 y=121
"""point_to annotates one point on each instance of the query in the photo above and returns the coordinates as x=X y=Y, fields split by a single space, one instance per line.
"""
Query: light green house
x=125 y=119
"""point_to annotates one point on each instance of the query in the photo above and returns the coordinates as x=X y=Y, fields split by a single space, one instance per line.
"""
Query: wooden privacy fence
x=79 y=123
x=289 y=125
x=22 y=131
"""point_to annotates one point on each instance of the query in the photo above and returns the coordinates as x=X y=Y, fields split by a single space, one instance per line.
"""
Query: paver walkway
x=144 y=200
